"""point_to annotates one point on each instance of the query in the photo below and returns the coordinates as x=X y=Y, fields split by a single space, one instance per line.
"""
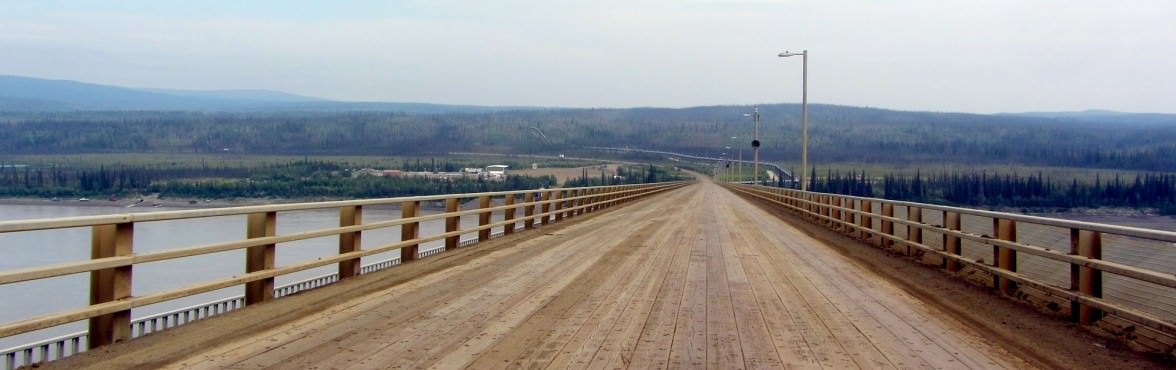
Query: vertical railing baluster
x=558 y=197
x=349 y=241
x=111 y=284
x=509 y=214
x=914 y=230
x=484 y=218
x=1086 y=280
x=261 y=257
x=1005 y=258
x=865 y=221
x=529 y=210
x=409 y=231
x=887 y=225
x=951 y=243
x=452 y=223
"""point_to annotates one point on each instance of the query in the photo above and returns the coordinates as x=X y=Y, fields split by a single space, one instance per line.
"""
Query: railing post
x=452 y=223
x=1086 y=280
x=914 y=233
x=111 y=284
x=484 y=218
x=529 y=210
x=827 y=201
x=836 y=219
x=350 y=241
x=865 y=221
x=508 y=214
x=1005 y=258
x=951 y=243
x=261 y=257
x=409 y=231
x=887 y=225
x=579 y=202
x=546 y=206
x=558 y=197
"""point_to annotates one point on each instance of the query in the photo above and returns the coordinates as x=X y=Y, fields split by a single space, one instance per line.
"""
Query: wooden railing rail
x=1083 y=253
x=113 y=257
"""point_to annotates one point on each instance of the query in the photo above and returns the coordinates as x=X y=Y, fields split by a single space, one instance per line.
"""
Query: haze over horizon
x=999 y=56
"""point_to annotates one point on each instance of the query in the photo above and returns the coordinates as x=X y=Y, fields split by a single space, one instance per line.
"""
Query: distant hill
x=1101 y=115
x=27 y=94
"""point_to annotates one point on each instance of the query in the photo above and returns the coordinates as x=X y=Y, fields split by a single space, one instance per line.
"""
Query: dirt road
x=689 y=279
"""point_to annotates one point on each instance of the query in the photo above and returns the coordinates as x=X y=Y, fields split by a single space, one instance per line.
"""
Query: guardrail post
x=350 y=241
x=484 y=218
x=452 y=223
x=558 y=197
x=529 y=210
x=261 y=257
x=828 y=202
x=951 y=243
x=509 y=214
x=111 y=284
x=1005 y=258
x=1086 y=280
x=409 y=231
x=847 y=216
x=546 y=206
x=887 y=225
x=914 y=232
x=835 y=212
x=864 y=219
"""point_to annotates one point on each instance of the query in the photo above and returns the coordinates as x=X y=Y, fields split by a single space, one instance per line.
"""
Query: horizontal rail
x=839 y=212
x=548 y=203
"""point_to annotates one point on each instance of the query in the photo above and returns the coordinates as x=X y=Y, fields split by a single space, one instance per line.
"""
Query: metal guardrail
x=540 y=207
x=1048 y=254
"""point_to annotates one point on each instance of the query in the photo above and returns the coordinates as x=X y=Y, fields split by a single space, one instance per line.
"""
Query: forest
x=957 y=143
x=837 y=134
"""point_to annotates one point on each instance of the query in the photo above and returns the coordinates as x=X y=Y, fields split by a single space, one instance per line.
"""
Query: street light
x=804 y=118
x=755 y=144
x=730 y=172
x=738 y=160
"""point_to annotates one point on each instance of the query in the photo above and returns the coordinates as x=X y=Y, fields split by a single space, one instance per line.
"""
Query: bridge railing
x=113 y=257
x=1063 y=260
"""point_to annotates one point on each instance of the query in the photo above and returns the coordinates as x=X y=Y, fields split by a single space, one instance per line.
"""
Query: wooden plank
x=484 y=218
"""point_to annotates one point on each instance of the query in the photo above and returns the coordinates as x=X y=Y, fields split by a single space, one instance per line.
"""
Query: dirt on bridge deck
x=694 y=278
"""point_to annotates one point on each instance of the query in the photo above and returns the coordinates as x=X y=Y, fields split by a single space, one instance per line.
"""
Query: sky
x=929 y=55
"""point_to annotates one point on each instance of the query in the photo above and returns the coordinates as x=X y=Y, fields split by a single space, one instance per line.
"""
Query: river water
x=39 y=248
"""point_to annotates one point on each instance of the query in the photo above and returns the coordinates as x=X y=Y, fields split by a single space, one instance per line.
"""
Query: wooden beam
x=349 y=241
x=261 y=257
x=1005 y=258
x=110 y=284
x=409 y=231
x=452 y=223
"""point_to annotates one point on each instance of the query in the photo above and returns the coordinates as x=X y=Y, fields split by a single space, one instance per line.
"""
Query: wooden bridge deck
x=694 y=278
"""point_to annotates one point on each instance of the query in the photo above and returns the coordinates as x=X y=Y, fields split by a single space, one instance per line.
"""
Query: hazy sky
x=936 y=55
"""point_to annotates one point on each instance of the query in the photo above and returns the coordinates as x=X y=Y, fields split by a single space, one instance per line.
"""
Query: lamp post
x=755 y=144
x=729 y=155
x=738 y=159
x=804 y=118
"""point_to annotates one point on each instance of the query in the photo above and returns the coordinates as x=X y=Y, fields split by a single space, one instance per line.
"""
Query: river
x=39 y=248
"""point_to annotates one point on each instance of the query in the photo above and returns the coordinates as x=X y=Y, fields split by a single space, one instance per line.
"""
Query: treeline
x=995 y=190
x=308 y=178
x=837 y=134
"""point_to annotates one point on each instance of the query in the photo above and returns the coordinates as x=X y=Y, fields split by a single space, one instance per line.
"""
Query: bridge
x=670 y=275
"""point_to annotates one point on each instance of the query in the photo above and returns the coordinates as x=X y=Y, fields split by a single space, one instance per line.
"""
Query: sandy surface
x=694 y=278
x=563 y=174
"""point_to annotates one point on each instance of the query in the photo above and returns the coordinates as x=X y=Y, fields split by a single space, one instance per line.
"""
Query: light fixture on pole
x=755 y=143
x=804 y=118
